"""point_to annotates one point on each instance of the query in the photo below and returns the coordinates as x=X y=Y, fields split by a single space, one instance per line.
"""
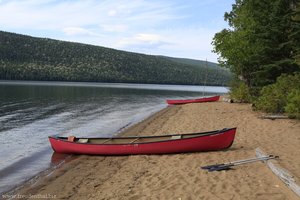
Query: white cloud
x=77 y=31
x=141 y=41
x=188 y=43
x=151 y=38
x=112 y=13
x=55 y=15
x=114 y=27
x=196 y=43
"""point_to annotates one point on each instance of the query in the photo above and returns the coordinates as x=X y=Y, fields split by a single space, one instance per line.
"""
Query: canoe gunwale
x=200 y=134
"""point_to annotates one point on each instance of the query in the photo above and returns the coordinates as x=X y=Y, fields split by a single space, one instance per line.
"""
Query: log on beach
x=282 y=173
x=273 y=117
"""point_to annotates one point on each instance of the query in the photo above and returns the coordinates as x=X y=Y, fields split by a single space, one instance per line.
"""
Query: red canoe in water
x=165 y=144
x=200 y=100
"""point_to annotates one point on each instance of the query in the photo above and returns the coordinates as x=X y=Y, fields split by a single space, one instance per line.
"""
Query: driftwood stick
x=274 y=117
x=224 y=99
x=283 y=174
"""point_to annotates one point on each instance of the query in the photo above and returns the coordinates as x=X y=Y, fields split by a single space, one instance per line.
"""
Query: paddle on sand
x=226 y=166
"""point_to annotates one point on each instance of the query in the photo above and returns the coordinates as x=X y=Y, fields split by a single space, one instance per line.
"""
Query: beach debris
x=229 y=165
x=283 y=174
x=273 y=117
x=224 y=99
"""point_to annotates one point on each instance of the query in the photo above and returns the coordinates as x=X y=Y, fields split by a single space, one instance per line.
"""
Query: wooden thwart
x=133 y=141
x=109 y=139
x=285 y=176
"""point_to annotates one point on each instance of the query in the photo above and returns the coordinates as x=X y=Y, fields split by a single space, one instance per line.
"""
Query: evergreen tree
x=258 y=47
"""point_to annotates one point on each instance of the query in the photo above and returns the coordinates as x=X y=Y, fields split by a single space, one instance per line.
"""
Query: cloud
x=114 y=27
x=151 y=38
x=196 y=43
x=112 y=13
x=141 y=41
x=189 y=43
x=77 y=31
x=53 y=14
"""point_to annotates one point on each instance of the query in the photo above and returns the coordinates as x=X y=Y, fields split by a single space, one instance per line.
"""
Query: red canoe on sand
x=165 y=144
x=200 y=100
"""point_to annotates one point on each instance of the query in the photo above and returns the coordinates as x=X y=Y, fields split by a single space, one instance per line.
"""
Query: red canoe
x=177 y=143
x=200 y=100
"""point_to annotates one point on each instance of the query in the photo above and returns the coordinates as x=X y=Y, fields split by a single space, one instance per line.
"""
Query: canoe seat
x=176 y=137
x=83 y=140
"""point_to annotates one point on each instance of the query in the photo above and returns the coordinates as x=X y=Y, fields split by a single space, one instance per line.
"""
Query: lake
x=30 y=111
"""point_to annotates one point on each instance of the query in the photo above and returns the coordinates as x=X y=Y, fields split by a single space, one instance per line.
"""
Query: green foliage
x=239 y=91
x=262 y=42
x=272 y=99
x=293 y=104
x=261 y=45
x=275 y=97
x=295 y=31
x=29 y=58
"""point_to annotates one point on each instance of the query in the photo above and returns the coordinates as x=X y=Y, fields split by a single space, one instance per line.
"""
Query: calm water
x=31 y=111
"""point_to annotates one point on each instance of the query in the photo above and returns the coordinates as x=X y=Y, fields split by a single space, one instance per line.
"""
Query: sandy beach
x=179 y=176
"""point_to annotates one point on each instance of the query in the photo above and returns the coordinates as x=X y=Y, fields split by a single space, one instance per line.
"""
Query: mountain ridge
x=25 y=57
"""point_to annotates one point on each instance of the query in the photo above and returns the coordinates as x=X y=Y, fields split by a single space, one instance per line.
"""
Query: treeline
x=262 y=49
x=30 y=58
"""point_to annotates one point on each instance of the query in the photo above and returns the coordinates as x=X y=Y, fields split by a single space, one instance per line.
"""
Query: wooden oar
x=226 y=166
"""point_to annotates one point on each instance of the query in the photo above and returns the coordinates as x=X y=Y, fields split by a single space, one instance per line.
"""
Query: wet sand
x=179 y=176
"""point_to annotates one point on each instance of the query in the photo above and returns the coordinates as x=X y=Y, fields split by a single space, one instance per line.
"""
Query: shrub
x=274 y=98
x=240 y=91
x=293 y=104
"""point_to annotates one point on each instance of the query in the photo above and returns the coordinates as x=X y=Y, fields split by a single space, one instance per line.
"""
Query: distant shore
x=179 y=176
x=191 y=88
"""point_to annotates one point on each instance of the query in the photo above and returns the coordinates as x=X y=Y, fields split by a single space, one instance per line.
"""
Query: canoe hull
x=220 y=140
x=199 y=100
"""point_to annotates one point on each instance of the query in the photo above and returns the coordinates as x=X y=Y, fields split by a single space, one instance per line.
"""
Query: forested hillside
x=262 y=49
x=30 y=58
x=199 y=63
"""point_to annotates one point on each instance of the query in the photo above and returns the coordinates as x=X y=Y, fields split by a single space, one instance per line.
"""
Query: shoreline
x=179 y=175
x=62 y=159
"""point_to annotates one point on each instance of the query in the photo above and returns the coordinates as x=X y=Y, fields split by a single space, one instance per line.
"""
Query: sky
x=177 y=28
